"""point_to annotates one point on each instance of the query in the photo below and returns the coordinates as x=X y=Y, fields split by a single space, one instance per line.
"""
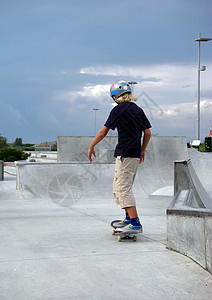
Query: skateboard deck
x=129 y=235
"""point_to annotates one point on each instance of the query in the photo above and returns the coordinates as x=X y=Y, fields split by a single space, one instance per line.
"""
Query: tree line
x=12 y=152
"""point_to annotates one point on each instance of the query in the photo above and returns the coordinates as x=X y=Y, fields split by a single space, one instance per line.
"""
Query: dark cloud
x=44 y=44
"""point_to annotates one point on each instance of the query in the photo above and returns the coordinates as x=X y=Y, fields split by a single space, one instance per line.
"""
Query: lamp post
x=95 y=110
x=203 y=68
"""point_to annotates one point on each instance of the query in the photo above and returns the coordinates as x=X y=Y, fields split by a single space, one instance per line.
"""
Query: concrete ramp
x=68 y=183
x=189 y=216
x=157 y=172
x=155 y=176
x=187 y=179
x=202 y=164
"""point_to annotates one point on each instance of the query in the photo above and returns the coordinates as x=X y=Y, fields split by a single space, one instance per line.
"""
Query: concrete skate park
x=55 y=225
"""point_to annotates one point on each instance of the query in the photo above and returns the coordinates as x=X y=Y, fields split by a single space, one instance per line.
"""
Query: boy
x=131 y=122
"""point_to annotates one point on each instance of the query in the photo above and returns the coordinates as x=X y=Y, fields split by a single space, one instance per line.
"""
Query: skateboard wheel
x=119 y=238
x=135 y=238
x=113 y=232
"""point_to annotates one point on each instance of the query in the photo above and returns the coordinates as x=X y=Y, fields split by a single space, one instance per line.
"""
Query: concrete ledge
x=189 y=217
x=184 y=203
x=191 y=213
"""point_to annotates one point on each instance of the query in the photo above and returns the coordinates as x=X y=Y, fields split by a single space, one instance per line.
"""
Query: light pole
x=95 y=110
x=203 y=68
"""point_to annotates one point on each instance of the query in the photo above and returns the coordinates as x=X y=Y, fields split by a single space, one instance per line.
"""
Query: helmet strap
x=114 y=98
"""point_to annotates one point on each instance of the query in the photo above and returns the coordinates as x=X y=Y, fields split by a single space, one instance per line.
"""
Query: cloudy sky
x=58 y=59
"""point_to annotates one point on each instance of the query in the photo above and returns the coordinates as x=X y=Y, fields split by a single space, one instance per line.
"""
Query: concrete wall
x=190 y=233
x=75 y=148
x=189 y=217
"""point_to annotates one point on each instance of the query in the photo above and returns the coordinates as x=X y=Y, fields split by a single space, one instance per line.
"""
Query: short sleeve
x=145 y=121
x=113 y=119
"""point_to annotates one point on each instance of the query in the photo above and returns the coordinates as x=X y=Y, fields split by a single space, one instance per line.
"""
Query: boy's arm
x=100 y=135
x=146 y=138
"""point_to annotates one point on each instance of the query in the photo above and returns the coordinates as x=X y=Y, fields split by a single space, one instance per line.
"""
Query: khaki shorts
x=126 y=168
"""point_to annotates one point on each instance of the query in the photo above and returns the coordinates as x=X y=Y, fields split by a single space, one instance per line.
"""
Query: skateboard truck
x=122 y=235
x=127 y=236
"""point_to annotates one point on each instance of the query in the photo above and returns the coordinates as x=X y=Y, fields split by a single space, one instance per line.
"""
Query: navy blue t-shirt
x=130 y=121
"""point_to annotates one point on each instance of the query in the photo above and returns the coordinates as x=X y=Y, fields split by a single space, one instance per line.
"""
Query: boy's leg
x=132 y=212
x=134 y=219
x=125 y=172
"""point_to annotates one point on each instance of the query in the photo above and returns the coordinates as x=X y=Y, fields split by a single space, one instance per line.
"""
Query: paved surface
x=49 y=251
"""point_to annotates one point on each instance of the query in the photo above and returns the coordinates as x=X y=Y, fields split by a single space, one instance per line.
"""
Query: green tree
x=11 y=155
x=3 y=142
x=18 y=142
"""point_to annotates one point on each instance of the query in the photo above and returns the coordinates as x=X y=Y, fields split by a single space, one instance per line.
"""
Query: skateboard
x=123 y=235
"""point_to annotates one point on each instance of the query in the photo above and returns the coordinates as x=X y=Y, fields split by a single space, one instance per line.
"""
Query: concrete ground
x=53 y=252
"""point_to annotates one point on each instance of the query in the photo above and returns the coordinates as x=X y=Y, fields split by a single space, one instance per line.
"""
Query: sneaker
x=121 y=224
x=131 y=228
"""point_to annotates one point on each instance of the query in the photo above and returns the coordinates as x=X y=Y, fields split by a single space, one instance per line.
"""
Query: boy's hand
x=90 y=152
x=142 y=157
